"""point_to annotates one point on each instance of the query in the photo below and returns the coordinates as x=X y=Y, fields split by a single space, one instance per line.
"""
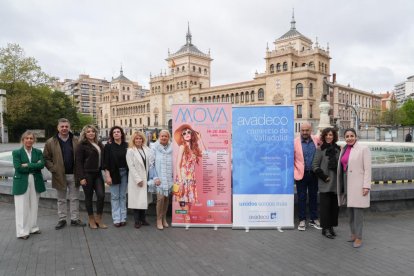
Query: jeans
x=118 y=197
x=309 y=184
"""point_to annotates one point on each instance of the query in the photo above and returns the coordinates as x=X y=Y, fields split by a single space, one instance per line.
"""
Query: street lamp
x=355 y=108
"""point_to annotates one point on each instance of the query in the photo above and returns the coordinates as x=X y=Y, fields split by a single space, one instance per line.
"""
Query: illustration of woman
x=189 y=152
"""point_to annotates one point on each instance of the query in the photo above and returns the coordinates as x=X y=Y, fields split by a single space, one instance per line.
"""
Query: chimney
x=334 y=78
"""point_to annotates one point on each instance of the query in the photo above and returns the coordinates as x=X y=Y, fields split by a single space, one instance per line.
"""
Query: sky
x=371 y=42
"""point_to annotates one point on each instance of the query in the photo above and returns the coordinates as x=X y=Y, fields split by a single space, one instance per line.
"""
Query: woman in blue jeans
x=116 y=173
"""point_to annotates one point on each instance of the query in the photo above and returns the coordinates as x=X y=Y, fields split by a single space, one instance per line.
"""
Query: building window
x=227 y=98
x=285 y=66
x=272 y=68
x=310 y=111
x=311 y=90
x=205 y=71
x=199 y=70
x=194 y=68
x=299 y=90
x=237 y=97
x=260 y=94
x=247 y=96
x=299 y=111
x=194 y=99
x=278 y=67
x=232 y=98
x=242 y=97
x=252 y=96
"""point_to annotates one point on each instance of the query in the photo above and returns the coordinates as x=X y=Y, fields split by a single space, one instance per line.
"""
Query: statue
x=325 y=91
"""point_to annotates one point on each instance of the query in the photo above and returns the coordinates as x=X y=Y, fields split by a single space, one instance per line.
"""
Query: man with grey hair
x=306 y=181
x=59 y=155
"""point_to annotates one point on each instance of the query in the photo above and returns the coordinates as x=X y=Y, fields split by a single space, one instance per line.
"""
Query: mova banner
x=202 y=165
x=263 y=194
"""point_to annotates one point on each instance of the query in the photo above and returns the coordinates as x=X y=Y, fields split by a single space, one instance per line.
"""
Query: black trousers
x=328 y=209
x=139 y=215
x=94 y=182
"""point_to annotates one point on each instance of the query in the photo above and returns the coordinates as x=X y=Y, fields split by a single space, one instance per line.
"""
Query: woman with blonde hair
x=88 y=166
x=190 y=151
x=162 y=176
x=139 y=157
x=28 y=183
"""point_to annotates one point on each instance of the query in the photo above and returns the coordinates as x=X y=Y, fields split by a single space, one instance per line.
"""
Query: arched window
x=237 y=97
x=148 y=108
x=303 y=64
x=205 y=71
x=178 y=69
x=311 y=90
x=183 y=68
x=185 y=84
x=227 y=98
x=194 y=69
x=247 y=96
x=222 y=98
x=201 y=100
x=285 y=66
x=209 y=99
x=260 y=94
x=278 y=67
x=199 y=70
x=252 y=96
x=272 y=68
x=312 y=65
x=178 y=85
x=232 y=98
x=242 y=97
x=299 y=90
x=194 y=99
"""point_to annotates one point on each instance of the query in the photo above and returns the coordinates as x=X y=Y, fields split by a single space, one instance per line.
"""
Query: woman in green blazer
x=28 y=183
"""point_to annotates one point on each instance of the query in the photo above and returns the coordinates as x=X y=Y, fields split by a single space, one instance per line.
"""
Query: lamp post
x=355 y=108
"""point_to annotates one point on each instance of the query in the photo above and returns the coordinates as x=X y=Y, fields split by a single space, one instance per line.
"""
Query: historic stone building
x=296 y=68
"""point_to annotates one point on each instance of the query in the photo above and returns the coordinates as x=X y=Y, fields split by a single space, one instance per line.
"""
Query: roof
x=293 y=32
x=121 y=77
x=188 y=47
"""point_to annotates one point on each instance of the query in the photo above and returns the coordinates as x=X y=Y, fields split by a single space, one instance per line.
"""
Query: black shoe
x=327 y=233
x=60 y=224
x=77 y=222
x=331 y=230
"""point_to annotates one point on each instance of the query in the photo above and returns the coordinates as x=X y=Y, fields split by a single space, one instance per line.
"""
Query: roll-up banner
x=202 y=165
x=263 y=194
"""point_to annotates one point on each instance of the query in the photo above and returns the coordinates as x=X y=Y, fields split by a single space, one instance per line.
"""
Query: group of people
x=341 y=175
x=74 y=162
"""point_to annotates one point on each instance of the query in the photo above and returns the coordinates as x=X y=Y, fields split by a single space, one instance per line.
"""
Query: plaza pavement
x=388 y=249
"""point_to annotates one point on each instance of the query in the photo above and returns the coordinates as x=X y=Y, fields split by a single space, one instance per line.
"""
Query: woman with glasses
x=190 y=150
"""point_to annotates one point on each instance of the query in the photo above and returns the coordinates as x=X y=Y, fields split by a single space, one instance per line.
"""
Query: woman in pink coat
x=354 y=183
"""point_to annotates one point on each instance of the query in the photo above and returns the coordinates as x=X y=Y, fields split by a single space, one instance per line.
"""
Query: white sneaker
x=302 y=225
x=315 y=224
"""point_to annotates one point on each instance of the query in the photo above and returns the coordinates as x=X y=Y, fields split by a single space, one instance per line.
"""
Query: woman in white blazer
x=354 y=182
x=139 y=158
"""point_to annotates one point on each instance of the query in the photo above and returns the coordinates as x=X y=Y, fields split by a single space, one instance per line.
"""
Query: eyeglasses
x=187 y=132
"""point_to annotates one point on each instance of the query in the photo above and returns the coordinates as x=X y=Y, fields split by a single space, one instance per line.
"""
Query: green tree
x=407 y=113
x=83 y=120
x=392 y=116
x=16 y=68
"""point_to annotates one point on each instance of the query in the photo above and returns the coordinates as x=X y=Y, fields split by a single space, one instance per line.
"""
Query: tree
x=407 y=112
x=83 y=120
x=16 y=68
x=37 y=108
x=392 y=116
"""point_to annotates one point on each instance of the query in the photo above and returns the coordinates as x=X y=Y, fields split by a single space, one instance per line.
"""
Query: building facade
x=296 y=69
x=404 y=91
x=85 y=92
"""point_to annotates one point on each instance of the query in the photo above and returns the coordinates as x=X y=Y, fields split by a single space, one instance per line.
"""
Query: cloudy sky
x=371 y=42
